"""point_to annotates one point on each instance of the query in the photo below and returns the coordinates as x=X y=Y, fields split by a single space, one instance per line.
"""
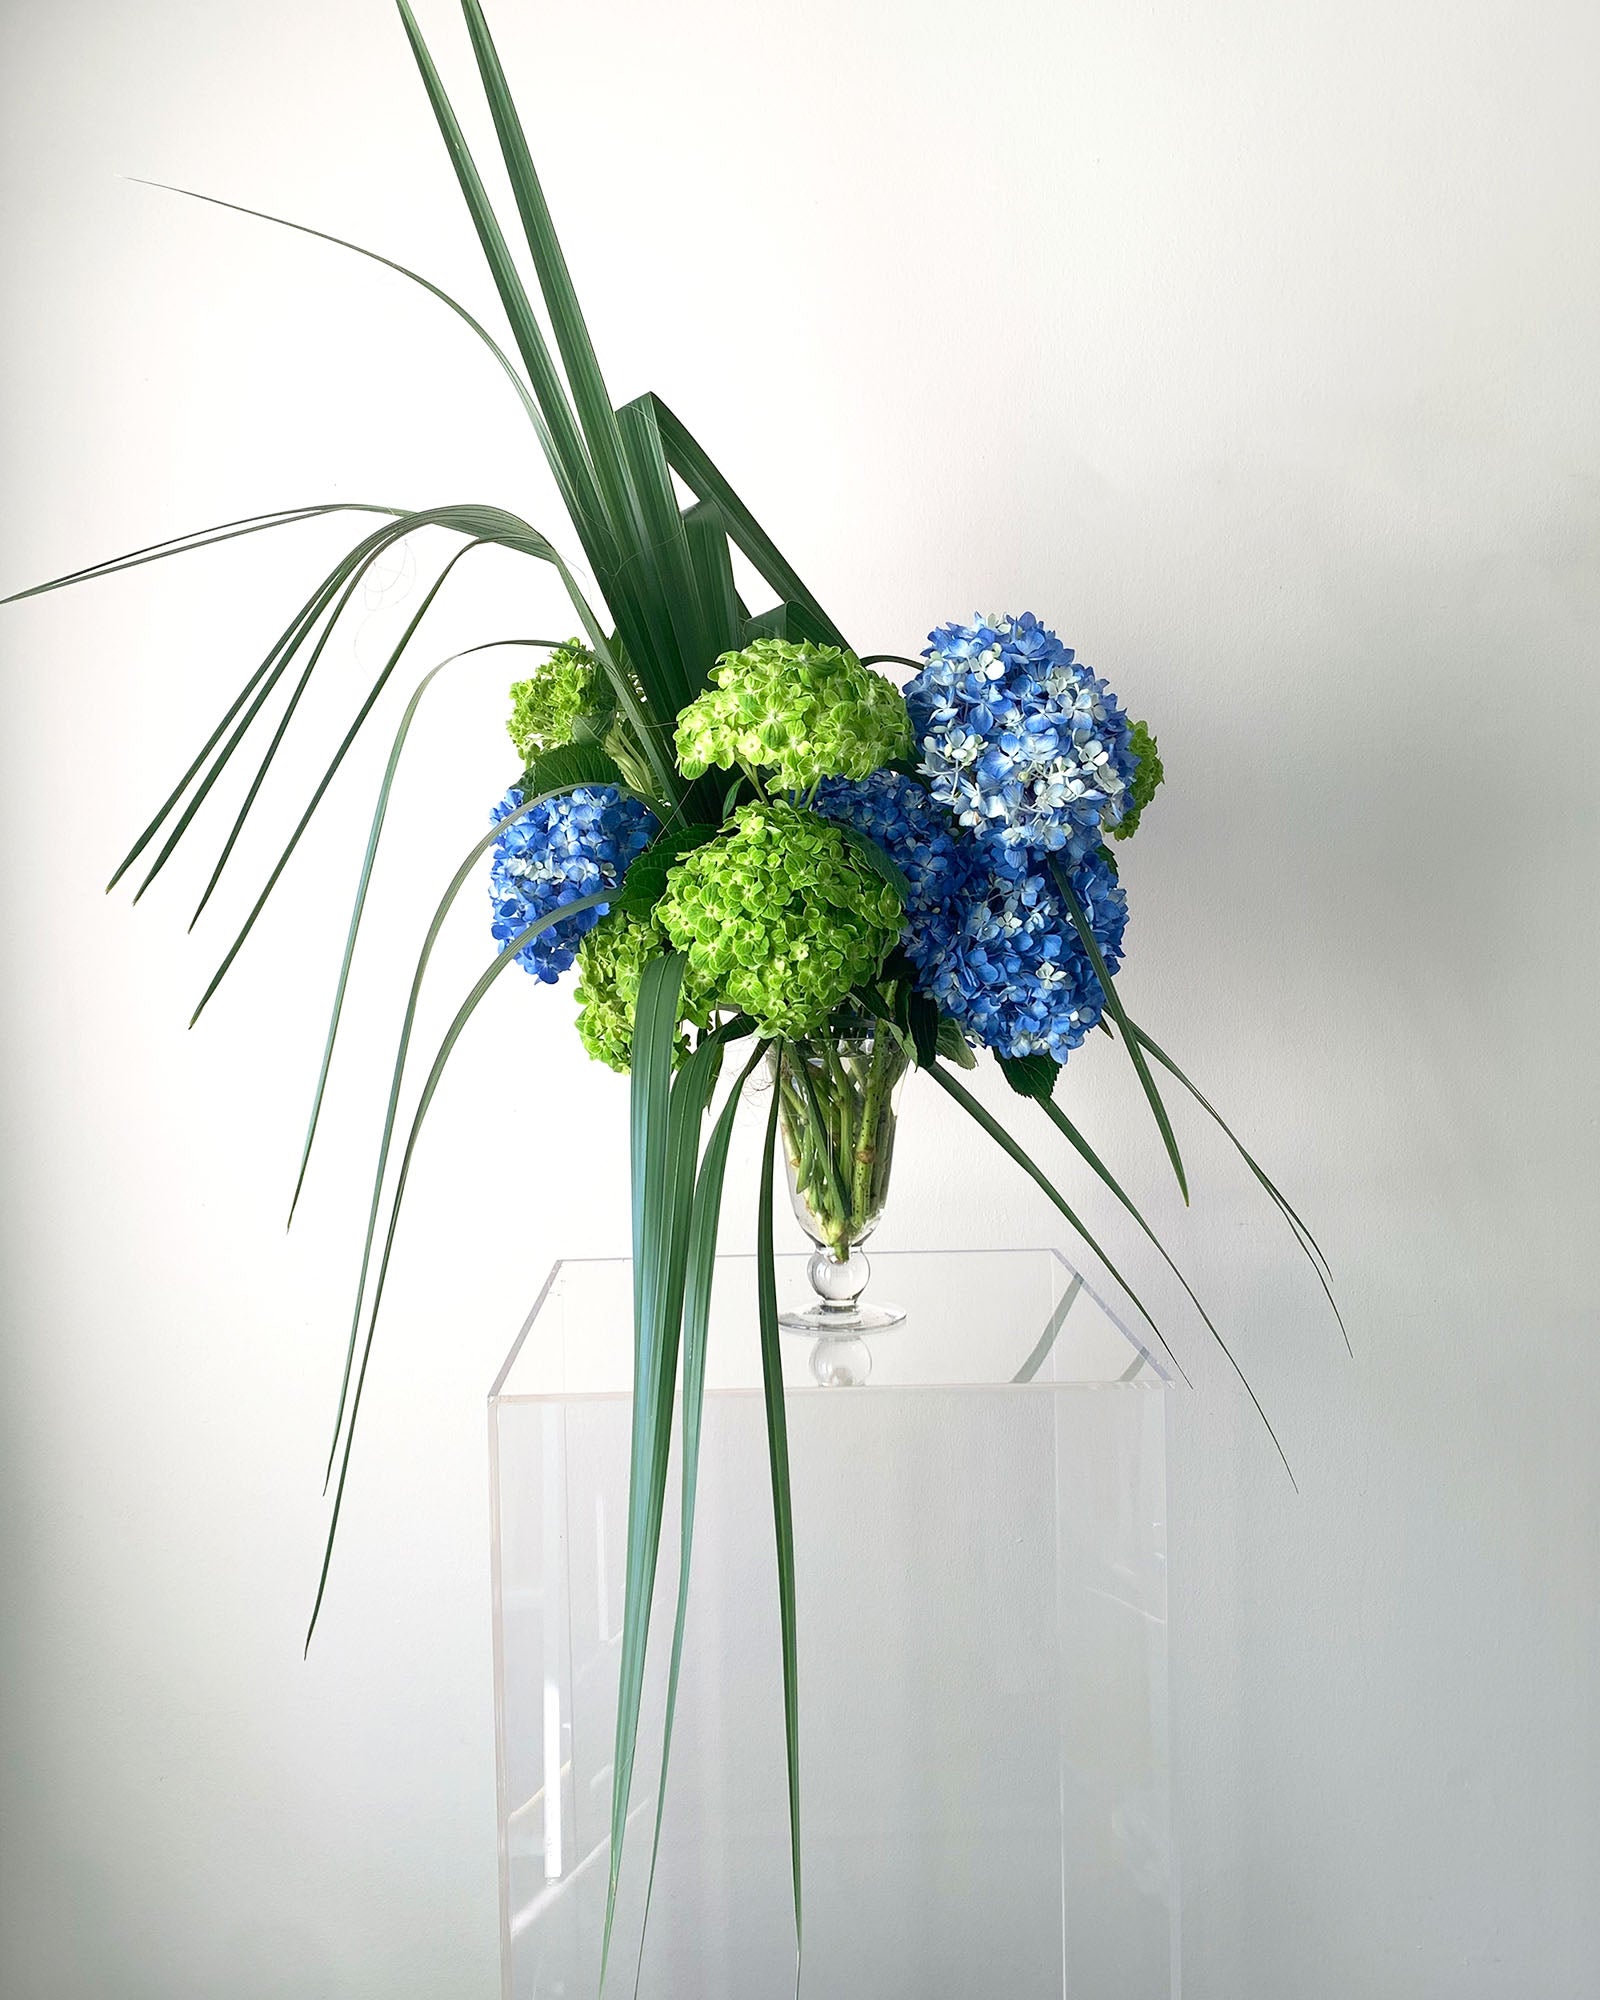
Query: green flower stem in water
x=836 y=1111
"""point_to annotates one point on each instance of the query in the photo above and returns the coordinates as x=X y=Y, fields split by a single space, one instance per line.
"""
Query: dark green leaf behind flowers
x=1142 y=787
x=780 y=918
x=800 y=712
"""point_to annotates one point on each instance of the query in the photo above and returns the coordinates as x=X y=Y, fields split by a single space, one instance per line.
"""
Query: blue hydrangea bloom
x=1020 y=741
x=562 y=849
x=942 y=868
x=1014 y=975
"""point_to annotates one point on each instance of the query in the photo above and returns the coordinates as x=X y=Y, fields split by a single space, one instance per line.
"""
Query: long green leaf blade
x=374 y=257
x=782 y=1509
x=652 y=1102
x=391 y=1110
x=463 y=1014
x=1036 y=1174
x=1091 y=944
x=695 y=468
x=701 y=1269
x=1302 y=1235
x=379 y=814
x=323 y=783
x=197 y=538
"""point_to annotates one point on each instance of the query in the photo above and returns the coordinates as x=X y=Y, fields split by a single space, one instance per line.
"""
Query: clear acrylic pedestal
x=982 y=1645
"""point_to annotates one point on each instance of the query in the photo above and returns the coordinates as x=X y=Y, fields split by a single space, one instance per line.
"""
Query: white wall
x=1252 y=346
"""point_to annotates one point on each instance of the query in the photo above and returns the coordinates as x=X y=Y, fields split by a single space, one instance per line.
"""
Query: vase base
x=825 y=1322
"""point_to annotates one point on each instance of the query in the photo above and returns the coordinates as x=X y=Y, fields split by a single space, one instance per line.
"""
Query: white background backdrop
x=1255 y=348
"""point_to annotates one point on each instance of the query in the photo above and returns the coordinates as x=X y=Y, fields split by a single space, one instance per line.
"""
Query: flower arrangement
x=749 y=845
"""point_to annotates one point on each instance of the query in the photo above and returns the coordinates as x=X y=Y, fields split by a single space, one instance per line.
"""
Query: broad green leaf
x=645 y=882
x=1030 y=1076
x=782 y=1509
x=953 y=1046
x=463 y=1015
x=1080 y=923
x=380 y=812
x=572 y=764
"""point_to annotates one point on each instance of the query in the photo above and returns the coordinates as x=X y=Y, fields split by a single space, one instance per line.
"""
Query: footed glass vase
x=838 y=1095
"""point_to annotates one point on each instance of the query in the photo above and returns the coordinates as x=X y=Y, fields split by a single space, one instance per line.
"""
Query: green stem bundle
x=836 y=1111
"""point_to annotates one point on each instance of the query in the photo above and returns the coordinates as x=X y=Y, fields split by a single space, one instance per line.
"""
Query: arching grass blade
x=1080 y=923
x=1007 y=1144
x=323 y=783
x=389 y=264
x=379 y=813
x=782 y=1509
x=402 y=1052
x=198 y=538
x=1003 y=1139
x=705 y=1215
x=1302 y=1235
x=463 y=1015
x=661 y=1183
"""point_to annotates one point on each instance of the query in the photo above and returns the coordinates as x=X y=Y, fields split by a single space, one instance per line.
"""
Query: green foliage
x=645 y=882
x=545 y=708
x=1030 y=1076
x=800 y=711
x=1146 y=778
x=780 y=917
x=611 y=960
x=567 y=765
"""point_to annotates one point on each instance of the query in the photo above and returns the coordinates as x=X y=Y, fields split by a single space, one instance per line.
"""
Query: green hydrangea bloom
x=1147 y=775
x=611 y=961
x=545 y=708
x=801 y=712
x=780 y=917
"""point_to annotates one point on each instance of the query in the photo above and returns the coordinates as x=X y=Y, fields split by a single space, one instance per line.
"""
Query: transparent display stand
x=982 y=1643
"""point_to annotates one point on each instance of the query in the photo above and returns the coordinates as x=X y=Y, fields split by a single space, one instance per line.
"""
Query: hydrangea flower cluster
x=564 y=848
x=611 y=960
x=1014 y=975
x=1019 y=740
x=1147 y=775
x=941 y=867
x=546 y=707
x=988 y=933
x=780 y=917
x=801 y=712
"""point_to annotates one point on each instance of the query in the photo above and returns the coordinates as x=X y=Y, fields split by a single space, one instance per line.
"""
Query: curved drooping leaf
x=705 y=1214
x=664 y=1143
x=1003 y=1139
x=1062 y=878
x=1302 y=1235
x=379 y=813
x=463 y=1014
x=782 y=1509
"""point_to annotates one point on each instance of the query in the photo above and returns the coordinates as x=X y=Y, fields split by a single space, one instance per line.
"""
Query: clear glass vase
x=838 y=1096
